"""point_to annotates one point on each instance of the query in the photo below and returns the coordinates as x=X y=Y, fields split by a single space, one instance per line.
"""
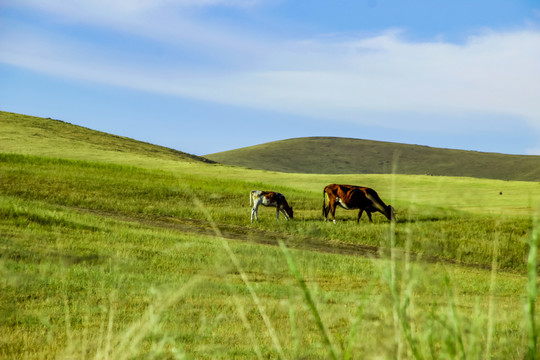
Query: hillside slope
x=23 y=134
x=331 y=155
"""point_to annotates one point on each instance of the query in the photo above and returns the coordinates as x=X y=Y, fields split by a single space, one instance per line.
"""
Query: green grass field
x=107 y=254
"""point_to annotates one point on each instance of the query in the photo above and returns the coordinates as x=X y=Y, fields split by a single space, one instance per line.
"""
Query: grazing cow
x=352 y=197
x=269 y=198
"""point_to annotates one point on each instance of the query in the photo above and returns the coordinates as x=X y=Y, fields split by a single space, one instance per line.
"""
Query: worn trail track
x=271 y=238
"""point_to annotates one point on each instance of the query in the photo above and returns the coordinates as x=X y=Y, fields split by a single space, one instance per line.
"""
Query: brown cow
x=352 y=197
x=269 y=198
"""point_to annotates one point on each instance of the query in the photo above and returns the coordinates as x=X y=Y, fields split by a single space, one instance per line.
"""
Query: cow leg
x=360 y=215
x=277 y=213
x=254 y=211
x=369 y=216
x=333 y=212
x=285 y=214
x=326 y=210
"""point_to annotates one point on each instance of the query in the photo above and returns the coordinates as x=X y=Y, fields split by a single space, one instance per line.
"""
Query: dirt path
x=270 y=238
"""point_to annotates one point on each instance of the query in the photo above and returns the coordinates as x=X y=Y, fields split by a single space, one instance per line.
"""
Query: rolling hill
x=332 y=155
x=23 y=134
x=313 y=155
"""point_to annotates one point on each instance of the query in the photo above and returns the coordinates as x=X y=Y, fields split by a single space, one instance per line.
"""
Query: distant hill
x=332 y=155
x=326 y=155
x=32 y=135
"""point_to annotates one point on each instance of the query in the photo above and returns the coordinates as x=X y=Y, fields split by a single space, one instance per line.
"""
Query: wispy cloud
x=492 y=72
x=122 y=7
x=338 y=77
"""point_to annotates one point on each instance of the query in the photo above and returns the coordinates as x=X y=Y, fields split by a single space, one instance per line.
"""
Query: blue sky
x=204 y=76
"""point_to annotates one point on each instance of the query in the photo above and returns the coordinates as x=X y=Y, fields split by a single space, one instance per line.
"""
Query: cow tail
x=251 y=198
x=324 y=203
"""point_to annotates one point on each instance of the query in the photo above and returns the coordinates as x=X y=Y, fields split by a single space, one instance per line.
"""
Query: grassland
x=331 y=155
x=112 y=255
x=48 y=137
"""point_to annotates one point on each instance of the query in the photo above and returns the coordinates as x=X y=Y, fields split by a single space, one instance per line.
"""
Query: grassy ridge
x=112 y=255
x=330 y=155
x=23 y=134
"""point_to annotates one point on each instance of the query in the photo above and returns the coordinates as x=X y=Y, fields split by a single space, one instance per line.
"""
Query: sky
x=204 y=76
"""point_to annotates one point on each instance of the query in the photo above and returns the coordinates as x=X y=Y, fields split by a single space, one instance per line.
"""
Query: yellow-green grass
x=23 y=134
x=121 y=257
x=457 y=231
x=91 y=249
x=77 y=284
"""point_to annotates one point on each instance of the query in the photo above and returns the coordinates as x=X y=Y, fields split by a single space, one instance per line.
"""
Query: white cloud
x=494 y=73
x=334 y=77
x=73 y=8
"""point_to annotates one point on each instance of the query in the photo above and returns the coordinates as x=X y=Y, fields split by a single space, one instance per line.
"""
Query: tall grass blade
x=123 y=346
x=355 y=325
x=110 y=324
x=532 y=291
x=243 y=275
x=67 y=320
x=457 y=337
x=491 y=305
x=401 y=301
x=247 y=325
x=294 y=330
x=309 y=299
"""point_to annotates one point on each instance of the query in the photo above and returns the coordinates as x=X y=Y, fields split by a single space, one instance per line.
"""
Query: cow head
x=390 y=213
x=289 y=212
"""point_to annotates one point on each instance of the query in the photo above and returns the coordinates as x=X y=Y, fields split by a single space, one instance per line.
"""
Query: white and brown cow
x=269 y=198
x=351 y=197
